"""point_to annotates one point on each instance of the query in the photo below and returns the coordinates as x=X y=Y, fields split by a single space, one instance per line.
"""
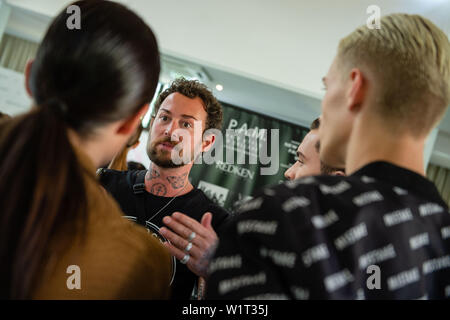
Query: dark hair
x=193 y=89
x=81 y=79
x=324 y=169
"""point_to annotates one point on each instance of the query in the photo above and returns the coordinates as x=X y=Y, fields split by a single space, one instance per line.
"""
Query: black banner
x=257 y=150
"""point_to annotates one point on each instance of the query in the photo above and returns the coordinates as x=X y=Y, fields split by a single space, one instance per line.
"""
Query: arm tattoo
x=177 y=182
x=158 y=189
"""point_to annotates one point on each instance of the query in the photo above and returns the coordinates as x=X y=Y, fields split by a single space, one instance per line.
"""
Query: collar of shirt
x=401 y=177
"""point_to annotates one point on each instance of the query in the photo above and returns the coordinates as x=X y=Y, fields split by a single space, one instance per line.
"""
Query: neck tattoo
x=159 y=189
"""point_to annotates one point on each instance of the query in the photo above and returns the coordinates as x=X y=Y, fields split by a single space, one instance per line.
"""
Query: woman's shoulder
x=127 y=252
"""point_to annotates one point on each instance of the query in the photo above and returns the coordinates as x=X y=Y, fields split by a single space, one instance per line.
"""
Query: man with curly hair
x=182 y=111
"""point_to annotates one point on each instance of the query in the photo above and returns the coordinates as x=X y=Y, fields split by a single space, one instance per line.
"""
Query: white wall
x=287 y=44
x=5 y=11
x=13 y=97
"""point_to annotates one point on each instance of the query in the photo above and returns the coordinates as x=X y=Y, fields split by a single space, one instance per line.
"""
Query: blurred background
x=263 y=60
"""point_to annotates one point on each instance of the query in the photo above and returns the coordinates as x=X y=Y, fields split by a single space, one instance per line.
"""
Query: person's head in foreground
x=184 y=111
x=308 y=160
x=383 y=231
x=385 y=91
x=90 y=88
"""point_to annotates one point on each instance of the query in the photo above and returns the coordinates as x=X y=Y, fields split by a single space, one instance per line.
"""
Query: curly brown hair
x=193 y=89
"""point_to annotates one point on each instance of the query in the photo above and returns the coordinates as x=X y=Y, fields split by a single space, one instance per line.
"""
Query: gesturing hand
x=191 y=242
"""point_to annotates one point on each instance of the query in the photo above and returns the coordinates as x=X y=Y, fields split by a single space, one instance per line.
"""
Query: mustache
x=166 y=140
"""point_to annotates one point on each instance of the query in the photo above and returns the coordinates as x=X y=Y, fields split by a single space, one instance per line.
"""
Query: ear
x=208 y=142
x=357 y=90
x=27 y=77
x=129 y=125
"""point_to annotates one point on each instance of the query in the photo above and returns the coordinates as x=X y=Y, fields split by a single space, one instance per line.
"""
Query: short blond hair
x=410 y=58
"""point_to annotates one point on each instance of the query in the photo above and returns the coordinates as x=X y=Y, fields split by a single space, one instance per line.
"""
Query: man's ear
x=357 y=91
x=208 y=142
x=129 y=125
x=27 y=77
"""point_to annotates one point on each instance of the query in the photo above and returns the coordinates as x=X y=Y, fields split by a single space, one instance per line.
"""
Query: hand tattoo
x=203 y=262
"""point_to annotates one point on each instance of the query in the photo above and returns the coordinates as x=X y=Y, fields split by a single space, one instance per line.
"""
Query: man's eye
x=163 y=118
x=187 y=125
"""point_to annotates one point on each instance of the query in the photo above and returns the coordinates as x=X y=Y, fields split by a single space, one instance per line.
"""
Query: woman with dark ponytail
x=61 y=235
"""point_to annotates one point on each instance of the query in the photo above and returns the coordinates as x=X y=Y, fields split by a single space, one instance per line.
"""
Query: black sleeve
x=261 y=251
x=240 y=268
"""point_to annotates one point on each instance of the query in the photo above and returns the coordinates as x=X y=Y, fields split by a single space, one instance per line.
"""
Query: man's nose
x=288 y=174
x=170 y=129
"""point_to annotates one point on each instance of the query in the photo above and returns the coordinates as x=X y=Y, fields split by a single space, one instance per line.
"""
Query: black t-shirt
x=139 y=206
x=324 y=238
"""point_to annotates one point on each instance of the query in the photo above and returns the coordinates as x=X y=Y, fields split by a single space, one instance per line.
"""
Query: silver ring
x=191 y=236
x=185 y=259
x=188 y=247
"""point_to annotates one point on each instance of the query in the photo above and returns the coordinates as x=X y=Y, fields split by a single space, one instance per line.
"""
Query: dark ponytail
x=41 y=189
x=80 y=80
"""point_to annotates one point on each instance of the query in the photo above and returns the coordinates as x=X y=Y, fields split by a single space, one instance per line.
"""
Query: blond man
x=381 y=232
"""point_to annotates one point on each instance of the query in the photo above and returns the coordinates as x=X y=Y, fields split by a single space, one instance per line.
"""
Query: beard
x=162 y=157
